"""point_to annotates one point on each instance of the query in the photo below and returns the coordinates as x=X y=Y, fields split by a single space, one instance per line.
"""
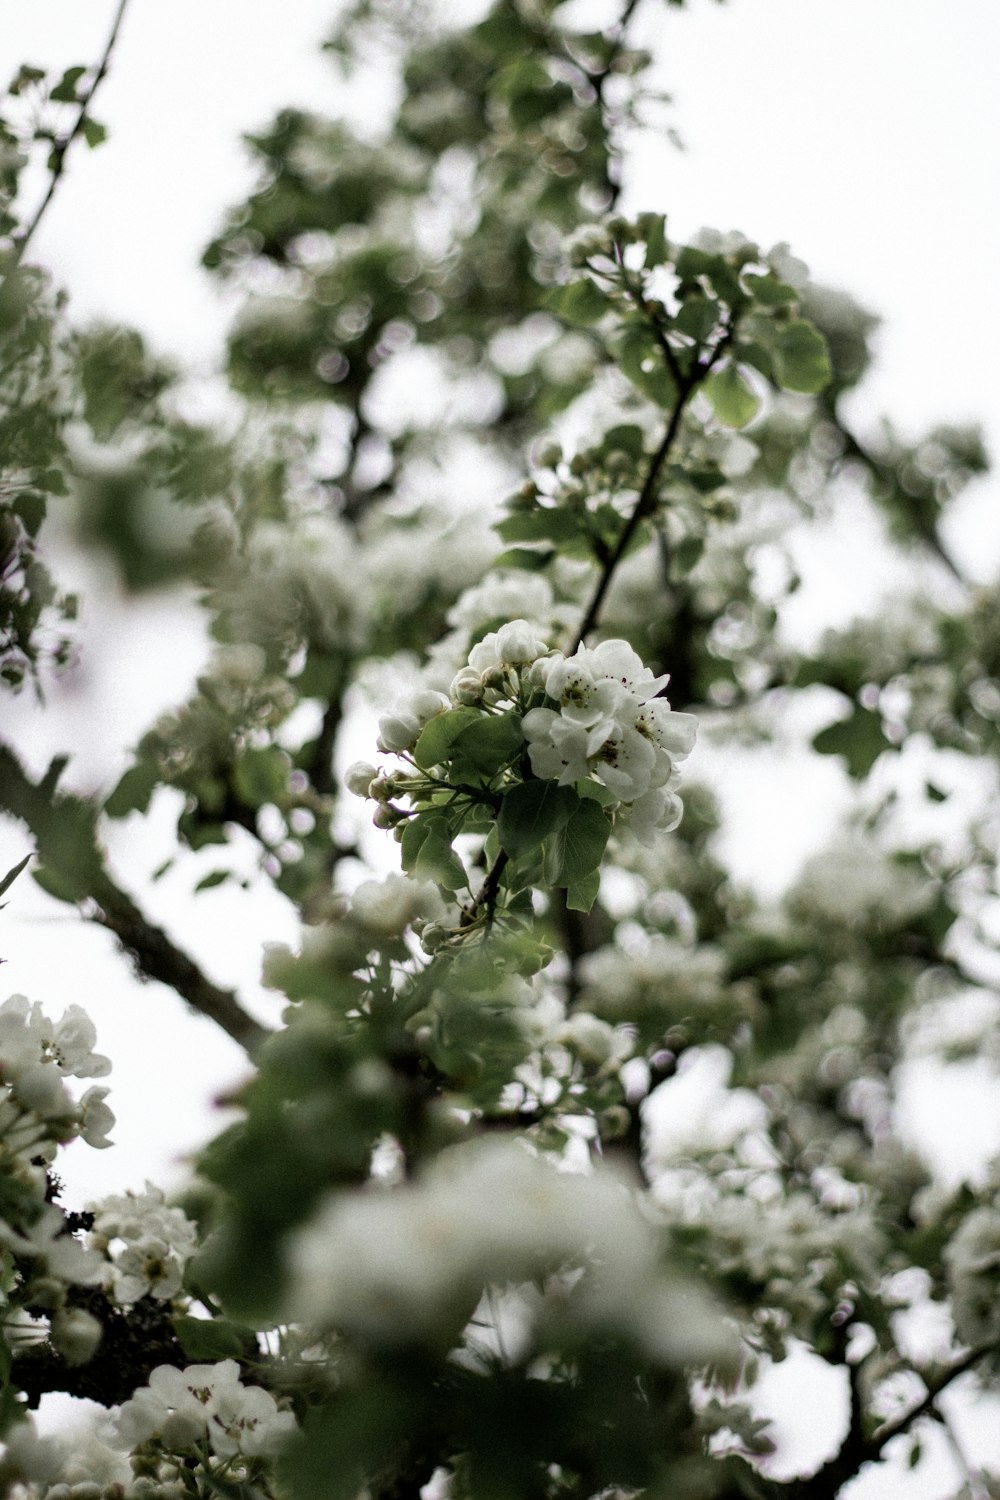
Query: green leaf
x=685 y=555
x=653 y=228
x=439 y=734
x=261 y=776
x=414 y=833
x=490 y=743
x=731 y=396
x=133 y=792
x=11 y=875
x=581 y=894
x=65 y=91
x=769 y=291
x=576 y=849
x=697 y=318
x=858 y=738
x=581 y=303
x=94 y=133
x=213 y=878
x=627 y=438
x=29 y=505
x=530 y=812
x=210 y=1339
x=58 y=885
x=436 y=860
x=529 y=560
x=801 y=359
x=547 y=524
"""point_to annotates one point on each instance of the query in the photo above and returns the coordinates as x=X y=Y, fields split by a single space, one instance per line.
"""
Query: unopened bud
x=398 y=731
x=359 y=776
x=387 y=817
x=433 y=937
x=76 y=1334
x=467 y=687
x=549 y=455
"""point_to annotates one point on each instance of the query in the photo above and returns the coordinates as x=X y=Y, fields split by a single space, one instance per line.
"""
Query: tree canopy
x=509 y=487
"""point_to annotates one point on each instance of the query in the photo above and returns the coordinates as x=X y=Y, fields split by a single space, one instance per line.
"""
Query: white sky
x=864 y=132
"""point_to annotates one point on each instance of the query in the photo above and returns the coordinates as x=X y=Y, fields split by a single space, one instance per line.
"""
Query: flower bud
x=467 y=687
x=549 y=455
x=76 y=1334
x=387 y=817
x=359 y=776
x=398 y=731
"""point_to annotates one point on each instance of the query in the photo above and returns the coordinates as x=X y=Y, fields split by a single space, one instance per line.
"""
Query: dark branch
x=65 y=828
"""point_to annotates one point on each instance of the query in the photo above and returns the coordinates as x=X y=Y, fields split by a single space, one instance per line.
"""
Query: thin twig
x=57 y=159
x=925 y=1406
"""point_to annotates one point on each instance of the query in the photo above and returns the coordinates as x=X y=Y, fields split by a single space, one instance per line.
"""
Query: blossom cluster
x=144 y=1449
x=610 y=724
x=180 y=1409
x=594 y=715
x=411 y=1263
x=37 y=1111
x=147 y=1244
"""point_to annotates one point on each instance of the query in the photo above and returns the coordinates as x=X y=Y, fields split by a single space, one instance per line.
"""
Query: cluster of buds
x=496 y=665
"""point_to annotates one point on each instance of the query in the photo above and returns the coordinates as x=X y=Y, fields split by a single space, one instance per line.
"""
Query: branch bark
x=65 y=830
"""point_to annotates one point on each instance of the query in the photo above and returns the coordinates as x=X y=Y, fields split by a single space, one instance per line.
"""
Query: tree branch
x=57 y=160
x=65 y=828
x=643 y=507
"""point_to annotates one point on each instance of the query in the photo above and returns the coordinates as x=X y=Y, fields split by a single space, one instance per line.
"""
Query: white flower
x=412 y=1262
x=499 y=597
x=147 y=1244
x=609 y=725
x=787 y=267
x=972 y=1259
x=387 y=907
x=96 y=1119
x=467 y=687
x=70 y=1042
x=359 y=776
x=401 y=730
x=54 y=1250
x=180 y=1407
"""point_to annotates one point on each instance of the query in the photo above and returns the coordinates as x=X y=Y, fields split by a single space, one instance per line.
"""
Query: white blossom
x=400 y=730
x=411 y=1263
x=179 y=1408
x=387 y=907
x=608 y=724
x=147 y=1244
x=972 y=1259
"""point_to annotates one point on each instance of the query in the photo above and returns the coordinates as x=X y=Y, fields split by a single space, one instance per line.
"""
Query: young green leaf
x=440 y=733
x=732 y=398
x=530 y=812
x=801 y=360
x=576 y=848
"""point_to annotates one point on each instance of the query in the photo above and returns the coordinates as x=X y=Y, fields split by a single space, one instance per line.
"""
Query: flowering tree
x=448 y=1247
